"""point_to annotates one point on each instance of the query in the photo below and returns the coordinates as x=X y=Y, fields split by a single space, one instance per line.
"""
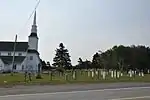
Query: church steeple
x=34 y=26
x=34 y=21
x=33 y=38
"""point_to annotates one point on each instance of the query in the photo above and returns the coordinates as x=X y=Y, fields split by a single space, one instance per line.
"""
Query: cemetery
x=76 y=76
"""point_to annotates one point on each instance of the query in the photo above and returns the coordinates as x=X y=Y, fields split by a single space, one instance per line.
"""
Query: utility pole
x=13 y=59
x=26 y=67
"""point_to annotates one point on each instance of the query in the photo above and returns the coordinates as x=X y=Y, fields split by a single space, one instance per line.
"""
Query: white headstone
x=89 y=73
x=74 y=75
x=118 y=74
x=96 y=72
x=104 y=75
x=135 y=72
x=115 y=72
x=121 y=74
x=142 y=74
x=112 y=74
x=130 y=73
x=92 y=74
x=139 y=73
x=148 y=71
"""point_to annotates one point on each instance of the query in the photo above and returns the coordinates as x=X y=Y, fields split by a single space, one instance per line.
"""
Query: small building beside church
x=26 y=56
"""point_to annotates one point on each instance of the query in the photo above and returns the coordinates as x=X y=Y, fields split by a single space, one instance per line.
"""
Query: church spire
x=33 y=38
x=34 y=27
x=34 y=21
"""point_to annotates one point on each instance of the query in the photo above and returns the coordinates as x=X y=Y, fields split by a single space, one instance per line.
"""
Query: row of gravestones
x=113 y=73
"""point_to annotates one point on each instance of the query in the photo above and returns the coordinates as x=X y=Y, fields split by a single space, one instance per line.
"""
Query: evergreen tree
x=44 y=67
x=96 y=60
x=62 y=58
x=80 y=61
x=48 y=65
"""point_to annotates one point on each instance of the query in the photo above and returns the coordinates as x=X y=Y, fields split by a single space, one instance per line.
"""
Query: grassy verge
x=7 y=79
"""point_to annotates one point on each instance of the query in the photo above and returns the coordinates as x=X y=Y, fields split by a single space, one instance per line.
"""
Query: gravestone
x=148 y=71
x=121 y=74
x=130 y=73
x=118 y=74
x=96 y=72
x=112 y=74
x=142 y=74
x=74 y=75
x=135 y=72
x=92 y=74
x=115 y=72
x=89 y=72
x=104 y=75
x=139 y=73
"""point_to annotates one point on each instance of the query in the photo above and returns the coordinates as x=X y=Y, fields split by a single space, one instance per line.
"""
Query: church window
x=31 y=57
x=9 y=53
x=14 y=67
x=22 y=67
x=19 y=54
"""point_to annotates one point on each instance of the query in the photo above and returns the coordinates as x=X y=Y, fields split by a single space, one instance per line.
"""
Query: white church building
x=21 y=56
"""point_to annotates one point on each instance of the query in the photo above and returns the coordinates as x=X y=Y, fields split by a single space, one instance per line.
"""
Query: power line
x=30 y=16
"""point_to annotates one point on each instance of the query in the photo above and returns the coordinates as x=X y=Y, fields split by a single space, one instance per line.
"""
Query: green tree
x=80 y=64
x=96 y=60
x=124 y=58
x=62 y=58
x=84 y=64
x=80 y=61
x=44 y=66
x=48 y=66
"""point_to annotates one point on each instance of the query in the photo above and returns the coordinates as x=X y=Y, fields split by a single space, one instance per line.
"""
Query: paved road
x=115 y=91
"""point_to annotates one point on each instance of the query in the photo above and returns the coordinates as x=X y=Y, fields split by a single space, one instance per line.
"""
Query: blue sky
x=84 y=26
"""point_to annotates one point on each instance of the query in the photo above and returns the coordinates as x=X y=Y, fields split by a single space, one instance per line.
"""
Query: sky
x=84 y=26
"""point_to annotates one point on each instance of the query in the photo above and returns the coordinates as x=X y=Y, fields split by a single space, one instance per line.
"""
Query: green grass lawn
x=7 y=79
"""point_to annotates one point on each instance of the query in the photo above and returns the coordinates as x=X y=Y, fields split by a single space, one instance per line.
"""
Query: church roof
x=8 y=59
x=33 y=51
x=9 y=46
x=33 y=35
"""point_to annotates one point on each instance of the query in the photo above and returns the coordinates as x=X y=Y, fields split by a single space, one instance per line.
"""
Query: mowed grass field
x=56 y=78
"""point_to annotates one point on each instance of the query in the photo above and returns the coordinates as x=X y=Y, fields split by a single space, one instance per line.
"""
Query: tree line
x=117 y=58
